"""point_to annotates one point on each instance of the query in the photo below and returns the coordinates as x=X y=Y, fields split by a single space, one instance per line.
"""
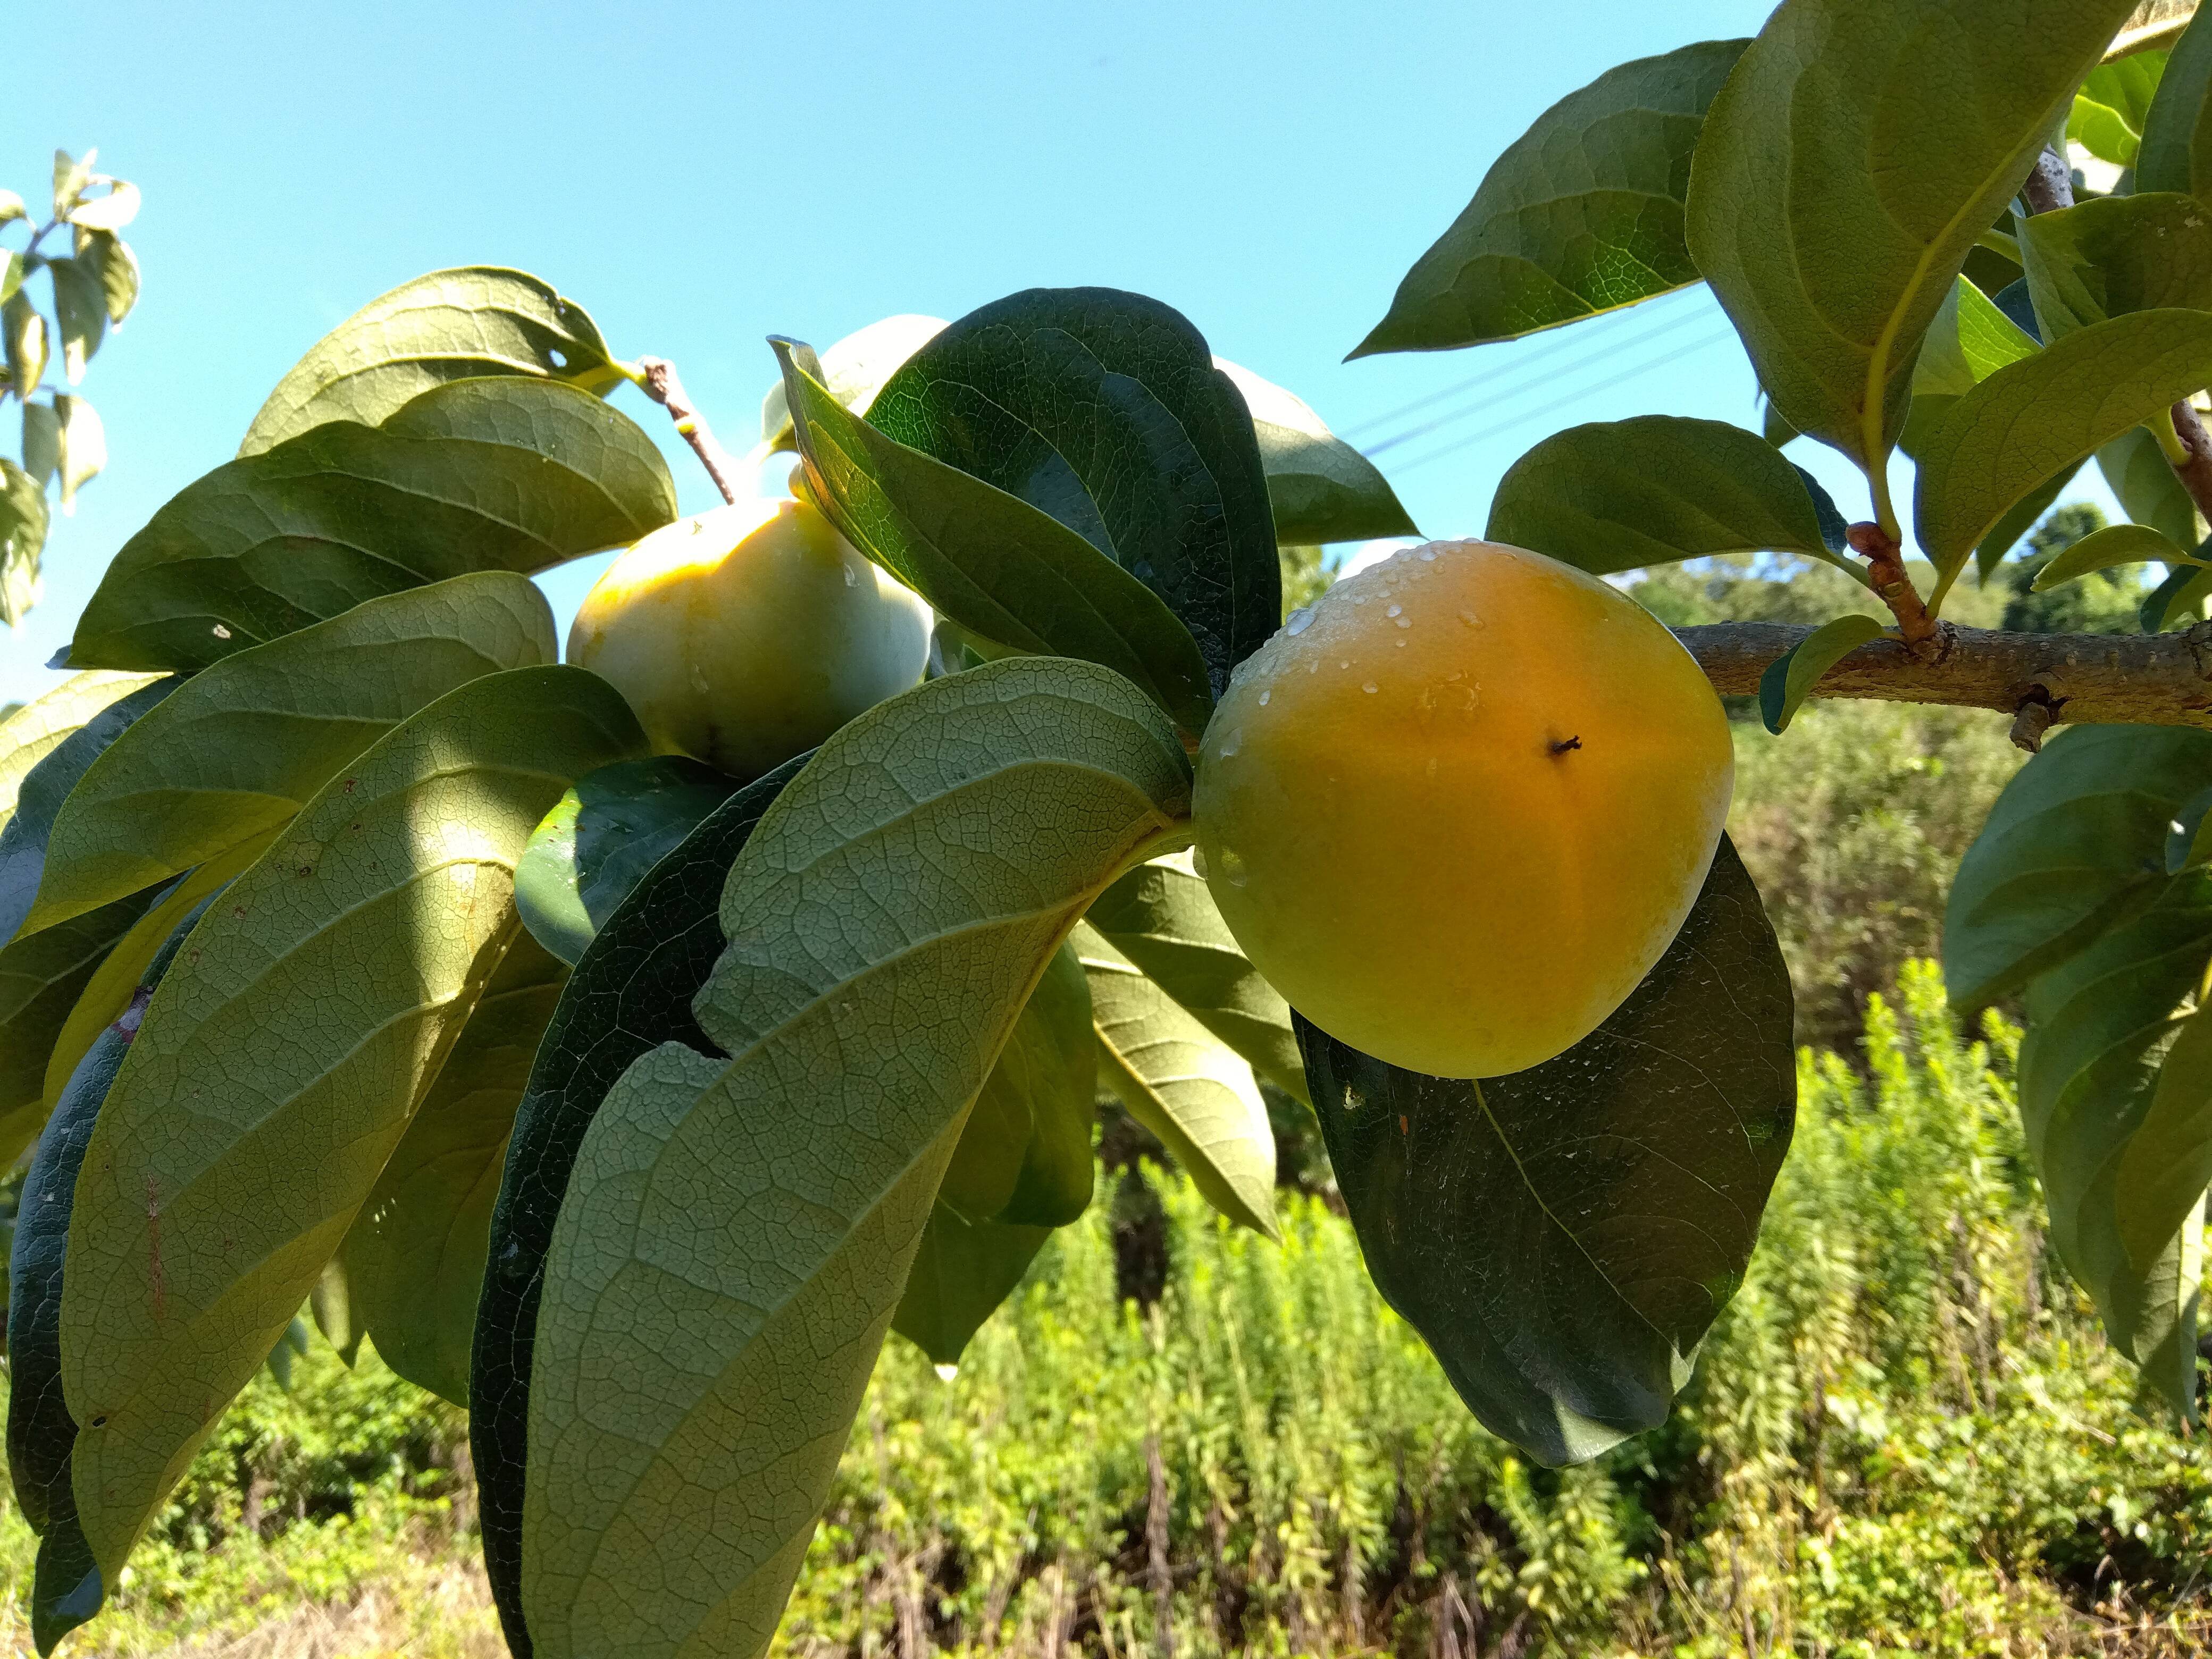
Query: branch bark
x=2196 y=472
x=2145 y=678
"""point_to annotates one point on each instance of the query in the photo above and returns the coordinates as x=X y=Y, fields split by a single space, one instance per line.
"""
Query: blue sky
x=698 y=176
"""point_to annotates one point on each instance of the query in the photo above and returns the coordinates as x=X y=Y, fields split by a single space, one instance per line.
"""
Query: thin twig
x=2049 y=186
x=659 y=382
x=2196 y=472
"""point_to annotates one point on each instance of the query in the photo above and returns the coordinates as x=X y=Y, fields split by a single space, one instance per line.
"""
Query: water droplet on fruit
x=1232 y=743
x=1233 y=868
x=1395 y=609
x=698 y=677
x=1346 y=663
x=1264 y=696
x=1370 y=686
x=1359 y=598
x=1405 y=621
x=1301 y=619
x=851 y=577
x=1470 y=619
x=1428 y=556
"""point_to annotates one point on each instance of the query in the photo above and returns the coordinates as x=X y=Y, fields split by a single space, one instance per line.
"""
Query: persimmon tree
x=361 y=955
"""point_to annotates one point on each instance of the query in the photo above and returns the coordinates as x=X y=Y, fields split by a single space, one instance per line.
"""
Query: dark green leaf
x=1162 y=917
x=1621 y=495
x=325 y=990
x=631 y=990
x=22 y=536
x=887 y=921
x=1105 y=411
x=2169 y=1161
x=2175 y=153
x=2088 y=1072
x=987 y=560
x=2142 y=478
x=415 y=1258
x=24 y=841
x=1790 y=677
x=1582 y=215
x=2122 y=254
x=449 y=326
x=1563 y=1237
x=1183 y=1083
x=1845 y=172
x=963 y=1270
x=2076 y=840
x=67 y=1590
x=506 y=474
x=248 y=741
x=110 y=259
x=2115 y=544
x=1321 y=488
x=2021 y=517
x=2177 y=601
x=81 y=309
x=2033 y=418
x=602 y=837
x=41 y=978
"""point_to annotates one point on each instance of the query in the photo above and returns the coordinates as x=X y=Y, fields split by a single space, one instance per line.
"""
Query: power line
x=1557 y=404
x=1559 y=342
x=1545 y=372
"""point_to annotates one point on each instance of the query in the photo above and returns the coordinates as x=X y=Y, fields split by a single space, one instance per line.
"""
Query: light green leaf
x=1969 y=341
x=2088 y=1072
x=2139 y=475
x=109 y=257
x=2075 y=843
x=1321 y=488
x=763 y=1211
x=602 y=837
x=46 y=788
x=2177 y=140
x=1846 y=172
x=243 y=746
x=963 y=1270
x=81 y=309
x=2103 y=131
x=2046 y=412
x=854 y=370
x=24 y=333
x=1791 y=677
x=267 y=1088
x=83 y=446
x=110 y=212
x=449 y=326
x=2102 y=550
x=1163 y=918
x=12 y=273
x=71 y=175
x=11 y=206
x=42 y=442
x=1184 y=1084
x=505 y=474
x=1563 y=1237
x=413 y=1261
x=2167 y=1163
x=30 y=734
x=1620 y=495
x=2178 y=601
x=22 y=536
x=1582 y=215
x=989 y=560
x=2123 y=253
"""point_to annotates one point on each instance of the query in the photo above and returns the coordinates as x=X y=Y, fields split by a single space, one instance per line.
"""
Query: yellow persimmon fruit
x=1456 y=810
x=748 y=634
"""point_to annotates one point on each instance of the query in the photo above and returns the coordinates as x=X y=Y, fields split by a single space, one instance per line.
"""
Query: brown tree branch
x=1922 y=633
x=660 y=383
x=2144 y=678
x=2196 y=472
x=2050 y=186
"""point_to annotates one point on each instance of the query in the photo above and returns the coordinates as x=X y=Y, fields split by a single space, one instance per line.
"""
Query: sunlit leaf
x=1791 y=677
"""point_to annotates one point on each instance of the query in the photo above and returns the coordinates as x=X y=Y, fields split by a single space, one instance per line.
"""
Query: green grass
x=1905 y=1435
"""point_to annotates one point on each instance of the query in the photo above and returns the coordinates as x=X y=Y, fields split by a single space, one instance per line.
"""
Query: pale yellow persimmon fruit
x=748 y=634
x=1457 y=811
